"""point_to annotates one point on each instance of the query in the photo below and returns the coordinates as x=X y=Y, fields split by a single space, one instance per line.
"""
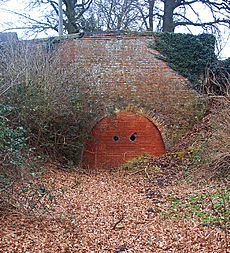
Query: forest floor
x=113 y=211
x=179 y=202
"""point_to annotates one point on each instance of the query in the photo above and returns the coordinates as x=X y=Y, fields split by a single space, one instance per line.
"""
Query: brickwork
x=124 y=70
x=121 y=137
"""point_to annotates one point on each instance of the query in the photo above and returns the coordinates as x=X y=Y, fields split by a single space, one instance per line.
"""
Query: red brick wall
x=121 y=137
x=123 y=70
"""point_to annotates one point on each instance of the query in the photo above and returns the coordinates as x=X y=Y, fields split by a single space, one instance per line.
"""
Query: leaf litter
x=107 y=211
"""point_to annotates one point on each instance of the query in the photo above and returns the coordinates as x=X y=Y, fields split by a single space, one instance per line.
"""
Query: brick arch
x=121 y=137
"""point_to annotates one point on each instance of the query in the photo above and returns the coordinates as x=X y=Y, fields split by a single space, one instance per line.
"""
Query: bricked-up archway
x=121 y=137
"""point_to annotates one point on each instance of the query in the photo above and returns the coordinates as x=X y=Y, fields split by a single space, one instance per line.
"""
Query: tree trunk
x=168 y=24
x=151 y=6
x=70 y=24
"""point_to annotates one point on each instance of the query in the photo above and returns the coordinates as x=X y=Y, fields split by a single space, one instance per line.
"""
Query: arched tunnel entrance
x=121 y=137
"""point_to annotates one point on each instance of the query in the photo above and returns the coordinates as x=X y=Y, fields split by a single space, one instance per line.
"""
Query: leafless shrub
x=221 y=124
x=217 y=79
x=50 y=101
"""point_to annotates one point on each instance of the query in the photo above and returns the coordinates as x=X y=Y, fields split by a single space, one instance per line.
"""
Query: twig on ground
x=146 y=173
x=120 y=219
x=136 y=172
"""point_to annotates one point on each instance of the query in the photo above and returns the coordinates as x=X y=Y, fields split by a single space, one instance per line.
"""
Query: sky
x=8 y=19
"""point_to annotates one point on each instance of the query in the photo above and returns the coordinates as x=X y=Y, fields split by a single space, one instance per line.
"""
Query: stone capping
x=95 y=36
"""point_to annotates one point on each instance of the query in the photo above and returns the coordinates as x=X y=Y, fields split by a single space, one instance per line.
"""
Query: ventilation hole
x=116 y=138
x=133 y=137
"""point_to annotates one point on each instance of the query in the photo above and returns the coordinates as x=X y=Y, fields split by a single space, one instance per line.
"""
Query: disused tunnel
x=121 y=137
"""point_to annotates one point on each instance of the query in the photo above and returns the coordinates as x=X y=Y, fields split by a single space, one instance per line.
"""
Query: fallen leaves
x=106 y=211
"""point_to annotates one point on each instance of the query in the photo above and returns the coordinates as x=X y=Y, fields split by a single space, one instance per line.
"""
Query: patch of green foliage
x=55 y=127
x=136 y=162
x=192 y=157
x=13 y=140
x=225 y=64
x=13 y=144
x=52 y=113
x=210 y=209
x=192 y=154
x=188 y=54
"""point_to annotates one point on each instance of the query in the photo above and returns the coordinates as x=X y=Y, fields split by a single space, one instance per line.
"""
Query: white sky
x=11 y=20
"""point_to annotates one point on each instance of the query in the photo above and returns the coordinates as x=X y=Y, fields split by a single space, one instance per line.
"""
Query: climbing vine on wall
x=188 y=54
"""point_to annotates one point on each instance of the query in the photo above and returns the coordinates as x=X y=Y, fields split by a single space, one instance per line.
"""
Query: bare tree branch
x=218 y=21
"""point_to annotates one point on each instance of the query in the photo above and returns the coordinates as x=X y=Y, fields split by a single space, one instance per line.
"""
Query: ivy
x=187 y=54
x=13 y=140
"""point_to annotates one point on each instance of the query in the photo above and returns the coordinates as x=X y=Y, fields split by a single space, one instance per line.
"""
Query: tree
x=73 y=10
x=150 y=15
x=176 y=13
x=151 y=4
x=116 y=14
x=74 y=18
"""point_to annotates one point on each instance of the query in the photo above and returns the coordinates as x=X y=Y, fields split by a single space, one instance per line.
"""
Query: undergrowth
x=50 y=103
x=207 y=208
x=13 y=139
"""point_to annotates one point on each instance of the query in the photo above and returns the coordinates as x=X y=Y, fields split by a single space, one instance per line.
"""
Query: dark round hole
x=133 y=137
x=115 y=138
